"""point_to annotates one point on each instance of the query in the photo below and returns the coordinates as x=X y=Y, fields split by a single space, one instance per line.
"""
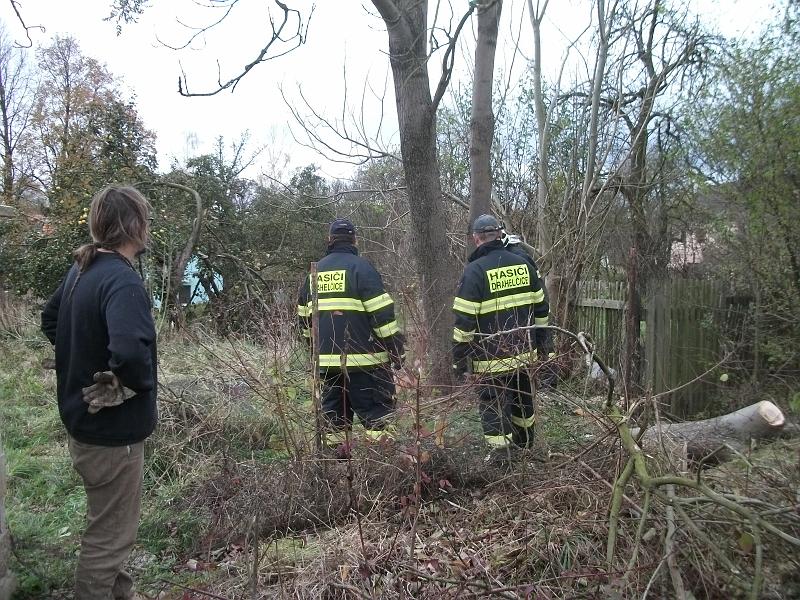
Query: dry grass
x=237 y=504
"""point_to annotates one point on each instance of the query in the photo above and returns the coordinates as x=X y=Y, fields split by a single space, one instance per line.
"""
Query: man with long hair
x=100 y=323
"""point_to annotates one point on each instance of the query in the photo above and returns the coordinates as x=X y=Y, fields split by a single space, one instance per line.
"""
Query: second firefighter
x=357 y=330
x=500 y=295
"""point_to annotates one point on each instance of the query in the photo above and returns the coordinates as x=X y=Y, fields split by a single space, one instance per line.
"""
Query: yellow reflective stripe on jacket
x=502 y=365
x=459 y=335
x=354 y=360
x=541 y=320
x=303 y=310
x=498 y=441
x=339 y=304
x=506 y=302
x=525 y=422
x=378 y=302
x=466 y=306
x=386 y=330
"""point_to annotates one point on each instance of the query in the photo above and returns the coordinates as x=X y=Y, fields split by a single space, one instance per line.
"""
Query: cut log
x=701 y=438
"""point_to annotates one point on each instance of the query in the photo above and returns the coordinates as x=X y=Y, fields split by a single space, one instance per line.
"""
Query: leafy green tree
x=87 y=136
x=748 y=138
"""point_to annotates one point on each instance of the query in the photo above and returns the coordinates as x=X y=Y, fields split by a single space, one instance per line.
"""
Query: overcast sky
x=344 y=35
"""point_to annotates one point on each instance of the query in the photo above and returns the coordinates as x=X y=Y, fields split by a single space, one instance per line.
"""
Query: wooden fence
x=680 y=334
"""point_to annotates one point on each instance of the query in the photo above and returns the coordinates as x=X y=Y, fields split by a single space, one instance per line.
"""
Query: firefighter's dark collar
x=342 y=249
x=484 y=249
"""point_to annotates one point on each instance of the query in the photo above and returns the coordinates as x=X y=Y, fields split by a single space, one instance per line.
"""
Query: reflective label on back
x=329 y=282
x=505 y=278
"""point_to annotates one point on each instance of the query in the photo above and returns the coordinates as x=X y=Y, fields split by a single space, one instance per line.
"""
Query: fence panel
x=681 y=334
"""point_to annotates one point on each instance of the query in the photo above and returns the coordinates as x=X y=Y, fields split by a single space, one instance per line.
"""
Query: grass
x=46 y=503
x=232 y=451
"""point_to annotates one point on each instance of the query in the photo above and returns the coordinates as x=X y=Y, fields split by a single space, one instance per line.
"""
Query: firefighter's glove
x=106 y=392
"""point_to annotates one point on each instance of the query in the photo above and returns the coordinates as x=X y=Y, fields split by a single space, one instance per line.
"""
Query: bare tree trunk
x=482 y=121
x=757 y=421
x=178 y=268
x=544 y=234
x=406 y=24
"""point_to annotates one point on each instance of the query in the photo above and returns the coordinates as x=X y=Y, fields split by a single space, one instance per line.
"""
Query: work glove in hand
x=106 y=392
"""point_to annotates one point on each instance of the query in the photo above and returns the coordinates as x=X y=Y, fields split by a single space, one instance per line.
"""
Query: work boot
x=523 y=437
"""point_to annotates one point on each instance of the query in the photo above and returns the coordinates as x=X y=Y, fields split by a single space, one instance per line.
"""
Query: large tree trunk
x=482 y=120
x=406 y=23
x=702 y=438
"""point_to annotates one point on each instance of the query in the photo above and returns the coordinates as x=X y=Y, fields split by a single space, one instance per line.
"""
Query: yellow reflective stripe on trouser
x=541 y=320
x=378 y=302
x=502 y=365
x=376 y=434
x=498 y=441
x=354 y=360
x=459 y=335
x=466 y=306
x=386 y=330
x=506 y=302
x=524 y=422
x=303 y=310
x=336 y=437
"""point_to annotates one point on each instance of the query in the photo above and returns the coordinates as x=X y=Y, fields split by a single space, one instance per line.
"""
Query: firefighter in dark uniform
x=499 y=291
x=547 y=374
x=357 y=322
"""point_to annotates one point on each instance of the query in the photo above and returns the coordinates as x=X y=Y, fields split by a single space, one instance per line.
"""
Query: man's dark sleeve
x=543 y=337
x=380 y=311
x=466 y=306
x=50 y=313
x=131 y=335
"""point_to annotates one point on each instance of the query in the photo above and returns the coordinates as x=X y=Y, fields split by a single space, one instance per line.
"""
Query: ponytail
x=117 y=215
x=85 y=255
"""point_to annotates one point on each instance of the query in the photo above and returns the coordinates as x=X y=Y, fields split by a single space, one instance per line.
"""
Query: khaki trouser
x=112 y=477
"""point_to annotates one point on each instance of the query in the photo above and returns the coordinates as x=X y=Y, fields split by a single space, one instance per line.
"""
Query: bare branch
x=449 y=58
x=296 y=39
x=198 y=30
x=27 y=28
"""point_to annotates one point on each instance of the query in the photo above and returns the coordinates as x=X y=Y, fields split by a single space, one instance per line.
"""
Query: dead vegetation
x=423 y=515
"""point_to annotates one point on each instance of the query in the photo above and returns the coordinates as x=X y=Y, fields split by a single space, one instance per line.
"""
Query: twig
x=193 y=590
x=669 y=549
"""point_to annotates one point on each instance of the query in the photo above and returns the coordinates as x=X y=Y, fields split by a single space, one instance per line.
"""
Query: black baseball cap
x=486 y=224
x=342 y=226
